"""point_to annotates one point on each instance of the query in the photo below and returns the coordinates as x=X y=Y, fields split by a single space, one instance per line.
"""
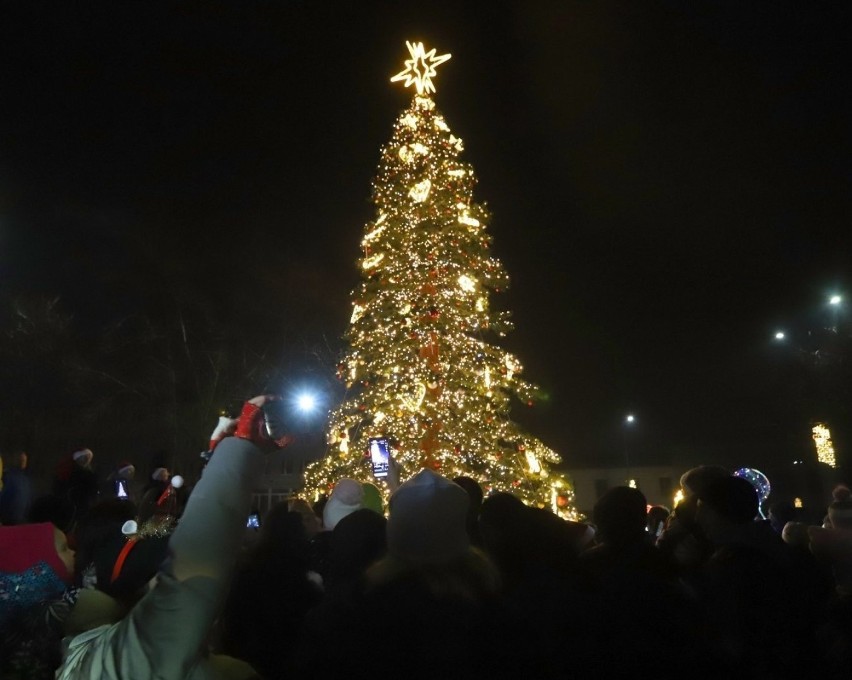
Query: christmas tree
x=421 y=370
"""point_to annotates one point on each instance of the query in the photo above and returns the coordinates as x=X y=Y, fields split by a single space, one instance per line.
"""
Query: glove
x=251 y=425
x=250 y=422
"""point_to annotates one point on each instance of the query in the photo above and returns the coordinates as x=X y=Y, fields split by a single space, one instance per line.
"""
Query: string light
x=824 y=446
x=420 y=191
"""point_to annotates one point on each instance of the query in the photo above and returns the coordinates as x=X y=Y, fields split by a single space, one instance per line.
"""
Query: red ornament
x=434 y=313
x=516 y=483
x=530 y=402
x=561 y=501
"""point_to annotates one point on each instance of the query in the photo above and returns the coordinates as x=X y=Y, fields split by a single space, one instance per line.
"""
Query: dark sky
x=669 y=182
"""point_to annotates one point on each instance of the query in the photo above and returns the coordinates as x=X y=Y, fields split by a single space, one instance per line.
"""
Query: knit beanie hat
x=428 y=519
x=346 y=498
x=161 y=474
x=373 y=498
x=840 y=510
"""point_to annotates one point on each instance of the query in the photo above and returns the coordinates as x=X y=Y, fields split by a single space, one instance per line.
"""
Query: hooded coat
x=165 y=634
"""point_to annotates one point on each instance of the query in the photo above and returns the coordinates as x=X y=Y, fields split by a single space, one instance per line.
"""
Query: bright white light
x=835 y=300
x=306 y=402
x=780 y=335
x=630 y=418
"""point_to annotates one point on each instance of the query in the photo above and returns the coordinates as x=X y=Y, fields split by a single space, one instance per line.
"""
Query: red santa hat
x=159 y=473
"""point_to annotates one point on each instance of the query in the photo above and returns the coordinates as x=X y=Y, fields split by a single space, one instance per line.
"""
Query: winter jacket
x=164 y=636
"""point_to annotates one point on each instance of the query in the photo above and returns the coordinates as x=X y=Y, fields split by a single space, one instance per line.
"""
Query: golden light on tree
x=824 y=446
x=422 y=369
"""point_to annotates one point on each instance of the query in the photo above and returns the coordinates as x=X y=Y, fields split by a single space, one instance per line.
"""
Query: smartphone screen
x=253 y=521
x=121 y=489
x=379 y=456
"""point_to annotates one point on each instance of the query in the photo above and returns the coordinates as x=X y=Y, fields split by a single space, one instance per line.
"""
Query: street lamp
x=628 y=425
x=780 y=335
x=835 y=300
x=306 y=402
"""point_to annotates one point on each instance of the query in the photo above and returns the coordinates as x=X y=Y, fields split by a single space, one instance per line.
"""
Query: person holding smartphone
x=165 y=634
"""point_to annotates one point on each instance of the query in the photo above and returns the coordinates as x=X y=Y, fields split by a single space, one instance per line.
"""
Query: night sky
x=669 y=183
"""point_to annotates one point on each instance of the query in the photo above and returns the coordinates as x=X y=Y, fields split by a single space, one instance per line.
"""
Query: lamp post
x=629 y=420
x=834 y=302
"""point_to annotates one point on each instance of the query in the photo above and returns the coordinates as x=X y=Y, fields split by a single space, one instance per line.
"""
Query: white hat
x=83 y=453
x=159 y=472
x=126 y=468
x=346 y=498
x=428 y=519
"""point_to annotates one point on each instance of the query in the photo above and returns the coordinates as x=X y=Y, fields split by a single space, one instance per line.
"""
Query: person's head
x=726 y=505
x=282 y=526
x=346 y=497
x=358 y=541
x=311 y=523
x=474 y=491
x=796 y=534
x=104 y=519
x=428 y=520
x=18 y=459
x=125 y=566
x=501 y=515
x=620 y=515
x=161 y=474
x=126 y=470
x=694 y=481
x=780 y=513
x=656 y=520
x=57 y=510
x=840 y=510
x=83 y=458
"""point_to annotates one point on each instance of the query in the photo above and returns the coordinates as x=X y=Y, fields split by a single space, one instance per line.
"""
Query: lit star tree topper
x=420 y=69
x=424 y=369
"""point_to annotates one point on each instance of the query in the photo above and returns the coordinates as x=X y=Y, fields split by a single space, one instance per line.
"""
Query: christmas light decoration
x=824 y=446
x=420 y=69
x=422 y=369
x=797 y=502
x=678 y=497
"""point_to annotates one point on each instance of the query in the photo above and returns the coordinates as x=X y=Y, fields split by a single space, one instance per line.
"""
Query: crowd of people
x=443 y=582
